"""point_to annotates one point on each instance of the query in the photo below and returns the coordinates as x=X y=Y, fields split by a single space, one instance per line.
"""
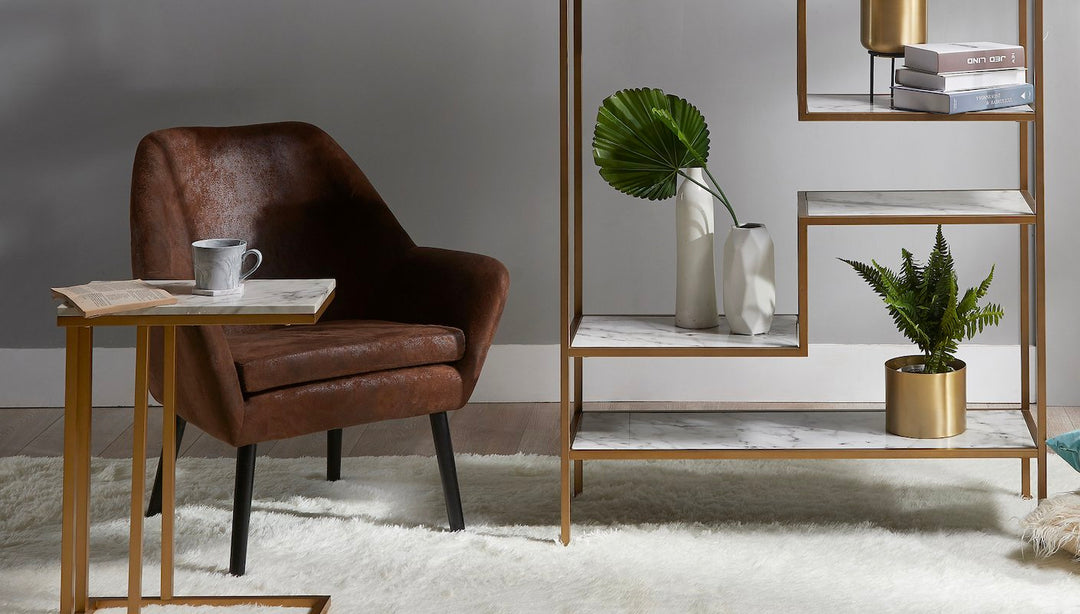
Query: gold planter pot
x=888 y=25
x=925 y=405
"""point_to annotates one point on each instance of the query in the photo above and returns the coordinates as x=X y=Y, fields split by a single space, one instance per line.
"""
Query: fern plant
x=926 y=306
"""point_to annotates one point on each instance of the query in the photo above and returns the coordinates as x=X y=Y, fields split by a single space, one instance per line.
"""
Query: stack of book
x=961 y=77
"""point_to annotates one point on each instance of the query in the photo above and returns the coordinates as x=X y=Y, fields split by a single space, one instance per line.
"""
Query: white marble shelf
x=260 y=296
x=623 y=332
x=842 y=106
x=786 y=430
x=1007 y=206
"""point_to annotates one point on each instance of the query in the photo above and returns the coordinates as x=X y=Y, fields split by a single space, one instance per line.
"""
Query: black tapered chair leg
x=444 y=451
x=241 y=515
x=333 y=455
x=154 y=507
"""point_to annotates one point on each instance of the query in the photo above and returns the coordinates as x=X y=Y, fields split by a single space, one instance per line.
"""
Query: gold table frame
x=75 y=545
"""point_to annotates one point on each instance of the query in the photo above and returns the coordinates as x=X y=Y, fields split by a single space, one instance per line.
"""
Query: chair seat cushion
x=301 y=354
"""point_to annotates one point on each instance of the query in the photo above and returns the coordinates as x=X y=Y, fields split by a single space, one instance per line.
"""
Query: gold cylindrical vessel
x=888 y=25
x=925 y=405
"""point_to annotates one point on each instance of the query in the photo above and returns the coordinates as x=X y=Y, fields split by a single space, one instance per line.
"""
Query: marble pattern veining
x=660 y=332
x=261 y=296
x=917 y=203
x=858 y=103
x=785 y=430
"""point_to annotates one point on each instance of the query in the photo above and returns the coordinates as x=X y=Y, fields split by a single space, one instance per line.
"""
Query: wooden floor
x=479 y=428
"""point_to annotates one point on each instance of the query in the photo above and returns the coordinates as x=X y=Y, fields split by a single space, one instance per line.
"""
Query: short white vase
x=749 y=279
x=695 y=283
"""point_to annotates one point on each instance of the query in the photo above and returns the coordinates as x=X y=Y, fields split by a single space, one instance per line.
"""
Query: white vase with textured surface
x=749 y=279
x=695 y=284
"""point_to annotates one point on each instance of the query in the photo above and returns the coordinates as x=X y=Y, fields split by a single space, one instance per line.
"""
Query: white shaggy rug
x=716 y=536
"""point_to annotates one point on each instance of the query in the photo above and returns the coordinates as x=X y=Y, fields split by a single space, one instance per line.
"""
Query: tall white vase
x=749 y=279
x=695 y=284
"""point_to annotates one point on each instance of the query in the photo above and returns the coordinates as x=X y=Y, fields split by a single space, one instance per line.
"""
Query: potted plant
x=926 y=395
x=643 y=142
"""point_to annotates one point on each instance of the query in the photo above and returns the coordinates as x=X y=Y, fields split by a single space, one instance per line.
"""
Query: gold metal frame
x=138 y=464
x=1021 y=453
x=1032 y=132
x=316 y=604
x=75 y=547
x=564 y=271
x=1040 y=232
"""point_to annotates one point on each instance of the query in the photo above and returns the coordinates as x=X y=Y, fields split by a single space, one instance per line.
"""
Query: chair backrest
x=287 y=189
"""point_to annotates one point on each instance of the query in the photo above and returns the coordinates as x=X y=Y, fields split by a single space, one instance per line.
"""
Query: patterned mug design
x=218 y=263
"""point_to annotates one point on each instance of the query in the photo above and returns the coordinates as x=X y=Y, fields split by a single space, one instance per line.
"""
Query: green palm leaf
x=637 y=152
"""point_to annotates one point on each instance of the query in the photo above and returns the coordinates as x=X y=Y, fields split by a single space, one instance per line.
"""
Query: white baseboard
x=530 y=373
x=35 y=377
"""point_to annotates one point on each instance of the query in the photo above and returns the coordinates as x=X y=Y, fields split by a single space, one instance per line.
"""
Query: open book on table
x=99 y=298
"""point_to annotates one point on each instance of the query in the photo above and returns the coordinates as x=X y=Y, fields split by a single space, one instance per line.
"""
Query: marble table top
x=603 y=331
x=917 y=203
x=260 y=296
x=785 y=430
x=859 y=103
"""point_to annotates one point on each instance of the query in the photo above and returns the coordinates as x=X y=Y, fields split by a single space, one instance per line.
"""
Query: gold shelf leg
x=1040 y=238
x=138 y=470
x=71 y=447
x=579 y=465
x=1025 y=478
x=570 y=470
x=82 y=469
x=564 y=272
x=579 y=471
x=168 y=460
x=564 y=472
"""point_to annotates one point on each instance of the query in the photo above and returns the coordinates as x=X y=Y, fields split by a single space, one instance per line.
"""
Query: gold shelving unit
x=1015 y=432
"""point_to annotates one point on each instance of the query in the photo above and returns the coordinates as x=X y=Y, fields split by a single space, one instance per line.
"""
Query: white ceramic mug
x=217 y=265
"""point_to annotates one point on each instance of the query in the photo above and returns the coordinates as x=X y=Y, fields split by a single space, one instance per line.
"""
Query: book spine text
x=994 y=98
x=981 y=59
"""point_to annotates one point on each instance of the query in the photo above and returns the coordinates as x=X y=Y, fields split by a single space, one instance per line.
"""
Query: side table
x=266 y=302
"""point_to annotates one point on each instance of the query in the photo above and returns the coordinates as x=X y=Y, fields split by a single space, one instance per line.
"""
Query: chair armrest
x=451 y=288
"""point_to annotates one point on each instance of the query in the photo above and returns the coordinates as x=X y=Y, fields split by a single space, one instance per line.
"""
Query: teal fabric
x=1067 y=446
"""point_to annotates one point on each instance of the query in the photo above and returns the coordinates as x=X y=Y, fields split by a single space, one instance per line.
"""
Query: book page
x=103 y=297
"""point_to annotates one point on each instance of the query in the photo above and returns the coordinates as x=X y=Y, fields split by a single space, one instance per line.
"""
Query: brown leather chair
x=406 y=335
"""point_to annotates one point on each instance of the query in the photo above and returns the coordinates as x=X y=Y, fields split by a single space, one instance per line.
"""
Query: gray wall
x=1063 y=205
x=451 y=109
